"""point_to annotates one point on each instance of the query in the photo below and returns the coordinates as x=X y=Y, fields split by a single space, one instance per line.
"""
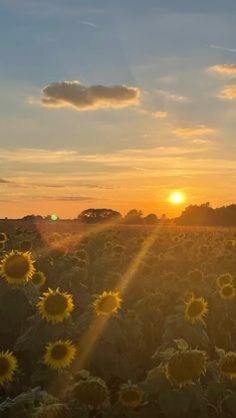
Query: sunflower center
x=17 y=266
x=55 y=304
x=59 y=352
x=195 y=309
x=186 y=366
x=4 y=366
x=130 y=396
x=108 y=304
x=227 y=290
x=90 y=393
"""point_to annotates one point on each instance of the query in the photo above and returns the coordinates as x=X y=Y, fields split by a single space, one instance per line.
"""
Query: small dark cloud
x=95 y=186
x=4 y=181
x=74 y=198
x=80 y=97
x=48 y=185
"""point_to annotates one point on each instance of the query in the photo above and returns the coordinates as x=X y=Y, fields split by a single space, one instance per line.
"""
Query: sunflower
x=2 y=246
x=130 y=395
x=185 y=366
x=224 y=279
x=227 y=292
x=107 y=303
x=54 y=410
x=3 y=237
x=227 y=365
x=8 y=366
x=195 y=309
x=59 y=354
x=55 y=306
x=91 y=393
x=39 y=279
x=17 y=268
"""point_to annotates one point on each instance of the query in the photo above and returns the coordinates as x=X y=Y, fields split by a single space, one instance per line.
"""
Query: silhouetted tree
x=204 y=215
x=151 y=219
x=98 y=215
x=134 y=217
x=32 y=218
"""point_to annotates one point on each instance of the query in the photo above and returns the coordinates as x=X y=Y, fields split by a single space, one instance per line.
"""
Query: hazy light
x=176 y=198
x=54 y=217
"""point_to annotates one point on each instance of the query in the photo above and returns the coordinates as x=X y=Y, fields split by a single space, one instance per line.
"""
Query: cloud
x=193 y=131
x=222 y=48
x=87 y=23
x=72 y=198
x=160 y=115
x=4 y=181
x=228 y=70
x=228 y=92
x=157 y=114
x=173 y=97
x=76 y=95
x=47 y=157
x=37 y=156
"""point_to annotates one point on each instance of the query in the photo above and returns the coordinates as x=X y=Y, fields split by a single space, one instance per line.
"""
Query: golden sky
x=117 y=105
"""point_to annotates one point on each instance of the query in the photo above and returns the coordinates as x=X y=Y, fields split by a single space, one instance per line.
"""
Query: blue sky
x=179 y=130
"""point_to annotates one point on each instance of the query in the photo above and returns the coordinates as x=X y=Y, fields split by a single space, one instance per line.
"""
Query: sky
x=116 y=104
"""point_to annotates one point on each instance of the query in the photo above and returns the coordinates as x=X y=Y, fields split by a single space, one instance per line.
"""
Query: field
x=117 y=321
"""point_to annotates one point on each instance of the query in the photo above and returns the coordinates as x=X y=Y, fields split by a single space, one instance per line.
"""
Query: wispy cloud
x=222 y=48
x=38 y=156
x=188 y=132
x=228 y=92
x=72 y=198
x=87 y=23
x=45 y=157
x=160 y=115
x=228 y=70
x=76 y=95
x=172 y=96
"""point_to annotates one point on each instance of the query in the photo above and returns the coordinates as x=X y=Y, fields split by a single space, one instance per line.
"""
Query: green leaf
x=173 y=402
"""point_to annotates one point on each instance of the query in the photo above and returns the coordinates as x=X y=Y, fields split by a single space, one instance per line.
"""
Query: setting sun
x=176 y=198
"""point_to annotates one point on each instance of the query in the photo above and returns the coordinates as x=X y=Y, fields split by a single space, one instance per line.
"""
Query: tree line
x=205 y=215
x=192 y=215
x=91 y=216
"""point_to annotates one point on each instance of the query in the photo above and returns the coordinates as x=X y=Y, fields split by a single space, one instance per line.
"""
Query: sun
x=177 y=198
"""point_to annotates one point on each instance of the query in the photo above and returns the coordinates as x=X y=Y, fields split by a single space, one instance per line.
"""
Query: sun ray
x=92 y=336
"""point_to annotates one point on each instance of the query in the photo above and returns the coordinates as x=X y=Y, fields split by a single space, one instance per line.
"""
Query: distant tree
x=98 y=215
x=205 y=215
x=32 y=218
x=134 y=217
x=151 y=219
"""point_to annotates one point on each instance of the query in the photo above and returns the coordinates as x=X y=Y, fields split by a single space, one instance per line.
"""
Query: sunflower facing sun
x=59 y=354
x=195 y=309
x=55 y=306
x=107 y=303
x=17 y=268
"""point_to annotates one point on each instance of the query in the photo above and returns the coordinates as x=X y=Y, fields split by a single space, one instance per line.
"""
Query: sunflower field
x=117 y=322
